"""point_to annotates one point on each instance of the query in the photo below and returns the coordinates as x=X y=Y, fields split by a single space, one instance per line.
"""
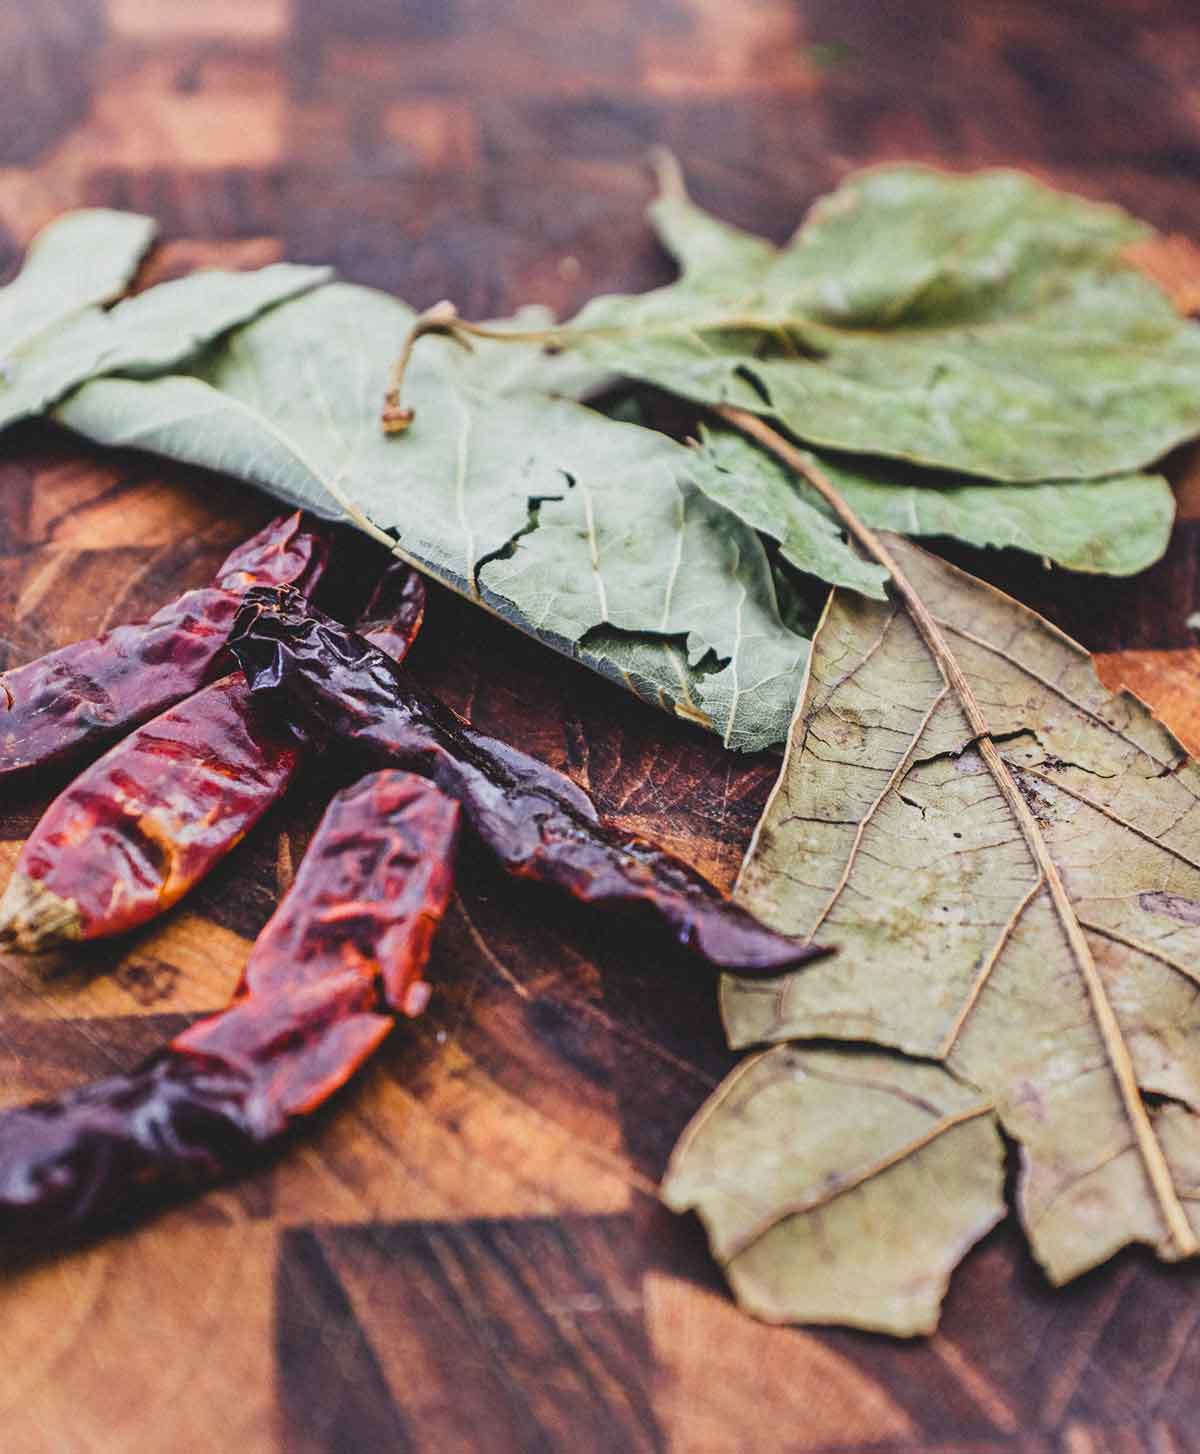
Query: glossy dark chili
x=538 y=824
x=80 y=698
x=354 y=929
x=146 y=822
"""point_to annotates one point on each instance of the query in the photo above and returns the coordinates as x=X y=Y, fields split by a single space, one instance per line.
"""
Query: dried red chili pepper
x=359 y=918
x=83 y=696
x=391 y=620
x=143 y=825
x=537 y=823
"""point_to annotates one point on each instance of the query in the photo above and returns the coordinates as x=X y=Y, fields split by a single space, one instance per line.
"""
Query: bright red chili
x=357 y=924
x=145 y=823
x=80 y=698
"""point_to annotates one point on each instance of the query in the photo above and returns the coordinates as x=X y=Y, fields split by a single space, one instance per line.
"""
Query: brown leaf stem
x=443 y=319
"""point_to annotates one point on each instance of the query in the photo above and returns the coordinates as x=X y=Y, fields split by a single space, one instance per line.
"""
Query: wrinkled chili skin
x=146 y=822
x=359 y=918
x=529 y=816
x=392 y=619
x=80 y=698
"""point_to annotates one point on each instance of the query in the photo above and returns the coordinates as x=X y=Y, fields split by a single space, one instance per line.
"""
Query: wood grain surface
x=467 y=1253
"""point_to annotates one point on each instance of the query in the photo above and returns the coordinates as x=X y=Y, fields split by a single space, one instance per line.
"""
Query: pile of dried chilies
x=202 y=749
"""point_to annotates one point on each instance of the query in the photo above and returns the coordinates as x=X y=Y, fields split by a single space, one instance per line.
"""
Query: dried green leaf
x=79 y=261
x=588 y=533
x=58 y=335
x=1008 y=857
x=748 y=482
x=1115 y=526
x=563 y=372
x=983 y=324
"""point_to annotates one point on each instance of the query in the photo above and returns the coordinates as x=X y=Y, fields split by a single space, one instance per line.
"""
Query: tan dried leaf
x=812 y=1223
x=1008 y=857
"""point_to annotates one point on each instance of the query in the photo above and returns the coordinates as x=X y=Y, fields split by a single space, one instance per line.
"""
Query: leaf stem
x=1153 y=1158
x=443 y=319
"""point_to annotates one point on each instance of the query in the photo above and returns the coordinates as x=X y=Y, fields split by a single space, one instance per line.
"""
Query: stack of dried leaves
x=1007 y=856
x=979 y=338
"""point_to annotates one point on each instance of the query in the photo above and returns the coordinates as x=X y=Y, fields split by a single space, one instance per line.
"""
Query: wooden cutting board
x=467 y=1252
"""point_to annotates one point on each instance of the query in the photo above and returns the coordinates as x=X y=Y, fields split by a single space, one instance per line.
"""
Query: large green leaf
x=1008 y=858
x=586 y=532
x=983 y=324
x=1115 y=526
x=154 y=331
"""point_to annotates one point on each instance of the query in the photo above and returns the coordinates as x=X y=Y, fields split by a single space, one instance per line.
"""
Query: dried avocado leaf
x=1008 y=858
x=1044 y=952
x=79 y=261
x=806 y=1165
x=1115 y=526
x=610 y=542
x=586 y=532
x=760 y=491
x=985 y=324
x=54 y=334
